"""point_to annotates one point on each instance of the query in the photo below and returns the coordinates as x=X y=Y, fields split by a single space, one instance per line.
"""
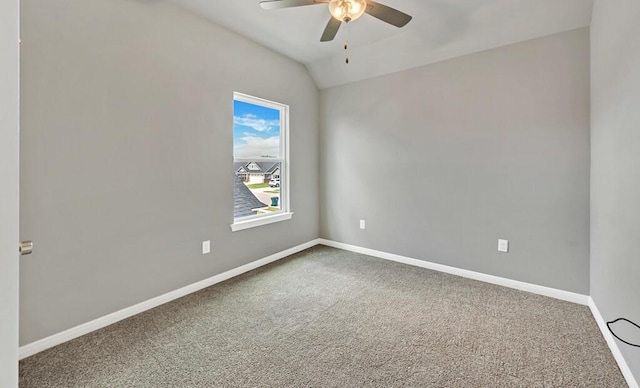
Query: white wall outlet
x=206 y=247
x=362 y=225
x=503 y=245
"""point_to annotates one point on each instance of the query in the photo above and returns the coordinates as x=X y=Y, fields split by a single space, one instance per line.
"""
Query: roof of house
x=243 y=199
x=265 y=167
x=270 y=169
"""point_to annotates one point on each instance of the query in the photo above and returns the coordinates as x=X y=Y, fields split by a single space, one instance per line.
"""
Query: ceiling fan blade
x=387 y=14
x=331 y=30
x=274 y=4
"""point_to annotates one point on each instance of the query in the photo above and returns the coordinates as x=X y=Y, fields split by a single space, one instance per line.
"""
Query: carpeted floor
x=330 y=318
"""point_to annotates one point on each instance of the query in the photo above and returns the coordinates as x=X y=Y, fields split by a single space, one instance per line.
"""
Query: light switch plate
x=503 y=245
x=362 y=225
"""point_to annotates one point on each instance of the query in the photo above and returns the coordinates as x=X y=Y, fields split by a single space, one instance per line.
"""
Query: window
x=260 y=162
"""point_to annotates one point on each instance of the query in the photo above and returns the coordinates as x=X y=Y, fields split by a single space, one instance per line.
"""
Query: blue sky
x=256 y=130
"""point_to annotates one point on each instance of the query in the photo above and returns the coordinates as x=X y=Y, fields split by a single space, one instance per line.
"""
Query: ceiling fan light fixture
x=347 y=10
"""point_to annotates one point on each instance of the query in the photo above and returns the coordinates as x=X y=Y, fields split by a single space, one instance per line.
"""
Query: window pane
x=256 y=188
x=256 y=131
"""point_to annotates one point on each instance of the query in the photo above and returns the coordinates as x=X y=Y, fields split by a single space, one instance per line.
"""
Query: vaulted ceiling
x=440 y=30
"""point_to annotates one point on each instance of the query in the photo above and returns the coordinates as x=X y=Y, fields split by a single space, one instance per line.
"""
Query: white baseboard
x=85 y=328
x=518 y=285
x=613 y=346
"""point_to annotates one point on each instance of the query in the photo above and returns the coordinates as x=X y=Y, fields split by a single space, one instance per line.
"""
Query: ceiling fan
x=345 y=11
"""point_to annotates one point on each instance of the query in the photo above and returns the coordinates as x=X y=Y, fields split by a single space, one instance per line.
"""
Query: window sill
x=242 y=225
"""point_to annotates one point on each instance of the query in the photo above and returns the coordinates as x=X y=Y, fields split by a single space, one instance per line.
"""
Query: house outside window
x=260 y=162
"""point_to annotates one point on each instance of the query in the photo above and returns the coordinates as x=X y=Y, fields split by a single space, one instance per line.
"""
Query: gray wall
x=126 y=155
x=443 y=160
x=615 y=157
x=9 y=146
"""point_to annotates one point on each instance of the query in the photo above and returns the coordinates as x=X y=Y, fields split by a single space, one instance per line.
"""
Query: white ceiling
x=440 y=29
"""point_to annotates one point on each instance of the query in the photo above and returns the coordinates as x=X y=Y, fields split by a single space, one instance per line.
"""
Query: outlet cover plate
x=503 y=245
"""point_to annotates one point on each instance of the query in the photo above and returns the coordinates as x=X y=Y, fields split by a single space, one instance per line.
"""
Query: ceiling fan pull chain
x=346 y=43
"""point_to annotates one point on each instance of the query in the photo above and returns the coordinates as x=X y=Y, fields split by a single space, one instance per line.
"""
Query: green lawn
x=257 y=185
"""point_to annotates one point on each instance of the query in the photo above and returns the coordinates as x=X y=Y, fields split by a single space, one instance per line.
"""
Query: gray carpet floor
x=330 y=318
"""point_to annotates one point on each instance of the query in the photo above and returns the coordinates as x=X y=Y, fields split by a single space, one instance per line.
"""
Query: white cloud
x=254 y=122
x=253 y=146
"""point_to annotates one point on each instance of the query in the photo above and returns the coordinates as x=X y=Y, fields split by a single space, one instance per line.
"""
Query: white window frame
x=285 y=212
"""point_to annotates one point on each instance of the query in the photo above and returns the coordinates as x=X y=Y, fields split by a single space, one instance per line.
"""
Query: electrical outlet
x=362 y=225
x=503 y=245
x=206 y=247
